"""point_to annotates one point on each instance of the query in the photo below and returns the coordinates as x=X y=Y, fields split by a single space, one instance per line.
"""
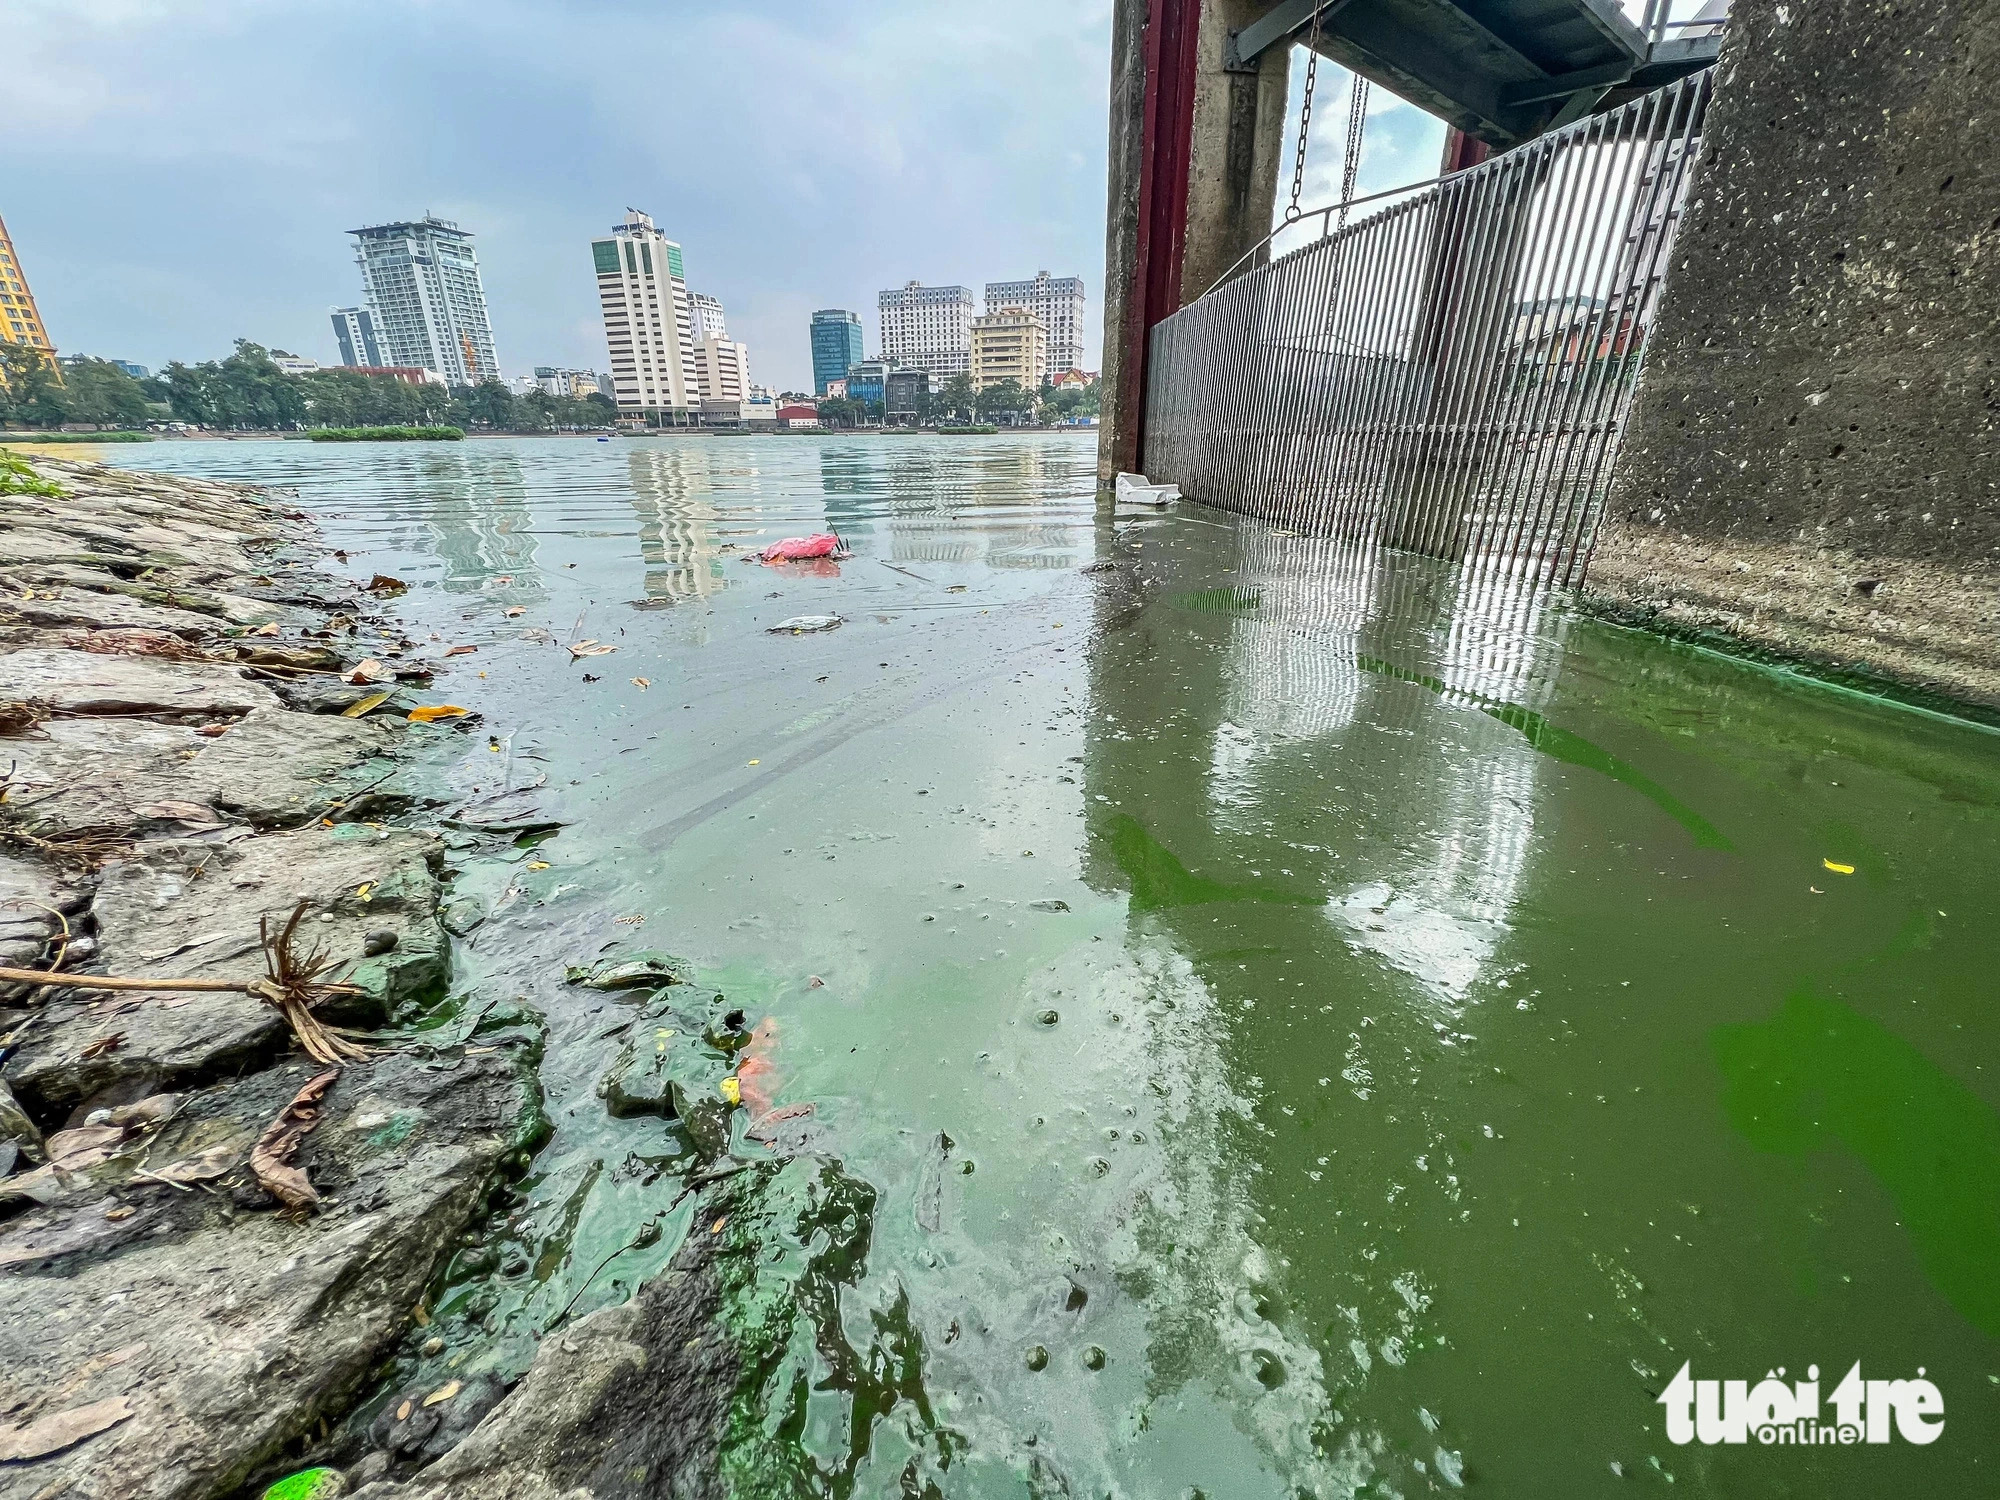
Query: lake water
x=1382 y=1030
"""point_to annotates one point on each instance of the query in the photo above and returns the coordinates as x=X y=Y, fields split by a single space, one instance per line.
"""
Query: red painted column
x=1173 y=28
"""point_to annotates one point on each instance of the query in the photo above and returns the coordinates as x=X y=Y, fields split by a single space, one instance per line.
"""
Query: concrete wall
x=1812 y=464
x=1237 y=158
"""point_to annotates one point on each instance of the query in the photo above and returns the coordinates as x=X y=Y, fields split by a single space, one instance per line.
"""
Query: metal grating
x=1450 y=374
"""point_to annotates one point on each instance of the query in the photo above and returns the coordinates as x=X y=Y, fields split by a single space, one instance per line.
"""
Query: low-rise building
x=865 y=380
x=1010 y=344
x=408 y=374
x=903 y=393
x=293 y=364
x=798 y=416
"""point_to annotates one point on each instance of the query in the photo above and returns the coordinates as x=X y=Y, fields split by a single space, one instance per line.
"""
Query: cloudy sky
x=182 y=173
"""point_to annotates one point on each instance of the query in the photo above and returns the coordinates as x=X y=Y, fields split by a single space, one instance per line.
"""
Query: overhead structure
x=1503 y=71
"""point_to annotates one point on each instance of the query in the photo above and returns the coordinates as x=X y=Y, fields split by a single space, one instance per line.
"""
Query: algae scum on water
x=1237 y=1020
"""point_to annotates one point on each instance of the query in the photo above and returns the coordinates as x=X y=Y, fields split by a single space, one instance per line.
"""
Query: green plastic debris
x=308 y=1484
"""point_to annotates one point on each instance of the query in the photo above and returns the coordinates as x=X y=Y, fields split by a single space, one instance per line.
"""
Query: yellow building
x=1009 y=344
x=20 y=323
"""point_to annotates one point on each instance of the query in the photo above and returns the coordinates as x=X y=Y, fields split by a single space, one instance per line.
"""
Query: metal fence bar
x=1450 y=374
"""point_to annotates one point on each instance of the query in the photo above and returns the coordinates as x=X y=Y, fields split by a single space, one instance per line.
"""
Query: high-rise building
x=1058 y=302
x=20 y=322
x=354 y=332
x=927 y=327
x=422 y=280
x=648 y=322
x=706 y=314
x=136 y=371
x=836 y=346
x=721 y=369
x=1009 y=344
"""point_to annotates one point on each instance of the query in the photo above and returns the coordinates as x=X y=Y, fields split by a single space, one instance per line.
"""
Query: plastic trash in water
x=805 y=624
x=1137 y=489
x=800 y=548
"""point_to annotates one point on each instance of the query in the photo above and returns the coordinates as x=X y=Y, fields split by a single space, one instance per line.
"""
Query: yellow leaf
x=366 y=705
x=1838 y=869
x=364 y=889
x=444 y=1392
x=716 y=1227
x=538 y=864
x=756 y=763
x=430 y=713
x=732 y=1090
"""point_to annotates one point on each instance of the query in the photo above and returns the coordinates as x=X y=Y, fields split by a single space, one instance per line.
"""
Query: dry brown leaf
x=216 y=1161
x=274 y=1158
x=103 y=1045
x=403 y=1411
x=382 y=583
x=60 y=1430
x=461 y=651
x=369 y=670
x=430 y=713
x=516 y=610
x=642 y=683
x=444 y=1392
x=268 y=628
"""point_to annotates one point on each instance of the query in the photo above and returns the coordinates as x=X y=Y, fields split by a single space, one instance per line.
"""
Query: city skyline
x=247 y=227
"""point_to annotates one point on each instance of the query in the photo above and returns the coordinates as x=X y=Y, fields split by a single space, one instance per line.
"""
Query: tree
x=956 y=401
x=31 y=390
x=1006 y=399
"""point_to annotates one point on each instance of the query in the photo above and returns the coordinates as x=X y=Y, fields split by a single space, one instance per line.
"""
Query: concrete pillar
x=1812 y=464
x=1196 y=154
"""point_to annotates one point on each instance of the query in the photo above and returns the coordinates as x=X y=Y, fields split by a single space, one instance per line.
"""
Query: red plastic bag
x=799 y=548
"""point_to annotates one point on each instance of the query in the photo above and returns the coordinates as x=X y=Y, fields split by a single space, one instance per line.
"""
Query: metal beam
x=1277 y=24
x=1564 y=84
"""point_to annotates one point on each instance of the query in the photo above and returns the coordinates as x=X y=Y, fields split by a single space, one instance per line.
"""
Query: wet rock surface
x=204 y=1259
x=164 y=1277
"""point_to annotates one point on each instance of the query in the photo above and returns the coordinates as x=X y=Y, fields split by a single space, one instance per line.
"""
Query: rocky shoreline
x=217 y=1246
x=179 y=779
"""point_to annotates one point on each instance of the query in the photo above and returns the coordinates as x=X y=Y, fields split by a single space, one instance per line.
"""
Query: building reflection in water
x=672 y=495
x=477 y=516
x=1296 y=777
x=1009 y=505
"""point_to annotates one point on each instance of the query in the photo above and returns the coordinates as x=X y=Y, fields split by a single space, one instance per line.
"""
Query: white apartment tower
x=1057 y=301
x=648 y=322
x=707 y=314
x=722 y=369
x=424 y=292
x=927 y=328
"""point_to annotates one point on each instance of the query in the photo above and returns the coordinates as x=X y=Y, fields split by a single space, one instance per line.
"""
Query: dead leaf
x=642 y=683
x=382 y=583
x=116 y=1215
x=716 y=1227
x=269 y=628
x=538 y=864
x=444 y=1392
x=216 y=1161
x=85 y=1146
x=212 y=731
x=516 y=610
x=588 y=648
x=274 y=1158
x=60 y=1430
x=430 y=713
x=367 y=705
x=103 y=1045
x=177 y=812
x=403 y=1411
x=369 y=670
x=461 y=651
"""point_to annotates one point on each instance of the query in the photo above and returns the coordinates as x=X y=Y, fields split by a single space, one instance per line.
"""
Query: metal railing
x=1450 y=374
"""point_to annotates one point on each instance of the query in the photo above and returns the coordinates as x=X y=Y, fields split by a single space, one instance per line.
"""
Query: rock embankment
x=206 y=1244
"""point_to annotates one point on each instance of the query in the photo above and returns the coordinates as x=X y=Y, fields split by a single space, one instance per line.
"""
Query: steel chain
x=1293 y=212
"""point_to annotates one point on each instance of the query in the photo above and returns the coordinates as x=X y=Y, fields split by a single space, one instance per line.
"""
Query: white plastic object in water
x=1137 y=489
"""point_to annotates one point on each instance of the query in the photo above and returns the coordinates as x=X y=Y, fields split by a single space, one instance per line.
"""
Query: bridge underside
x=1503 y=71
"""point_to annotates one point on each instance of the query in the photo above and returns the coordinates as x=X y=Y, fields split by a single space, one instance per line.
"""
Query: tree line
x=247 y=391
x=956 y=401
